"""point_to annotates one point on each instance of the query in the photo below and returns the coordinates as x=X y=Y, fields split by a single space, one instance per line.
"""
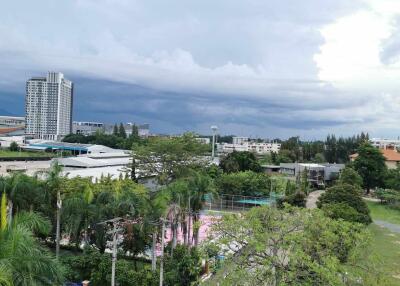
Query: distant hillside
x=5 y=113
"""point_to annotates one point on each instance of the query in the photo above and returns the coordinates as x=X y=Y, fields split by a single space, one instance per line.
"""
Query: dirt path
x=390 y=226
x=313 y=198
x=372 y=199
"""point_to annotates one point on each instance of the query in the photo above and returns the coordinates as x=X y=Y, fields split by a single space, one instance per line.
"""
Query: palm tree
x=78 y=212
x=53 y=185
x=200 y=185
x=23 y=261
x=22 y=192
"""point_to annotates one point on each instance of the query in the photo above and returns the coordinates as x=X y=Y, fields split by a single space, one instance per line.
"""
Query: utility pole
x=116 y=222
x=162 y=253
x=114 y=254
x=114 y=233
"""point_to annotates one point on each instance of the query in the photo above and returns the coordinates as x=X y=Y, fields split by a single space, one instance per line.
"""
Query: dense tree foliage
x=244 y=183
x=282 y=246
x=350 y=176
x=118 y=140
x=14 y=146
x=23 y=261
x=184 y=267
x=268 y=246
x=169 y=158
x=121 y=131
x=225 y=139
x=370 y=164
x=392 y=179
x=297 y=199
x=344 y=201
x=239 y=162
x=332 y=150
x=95 y=266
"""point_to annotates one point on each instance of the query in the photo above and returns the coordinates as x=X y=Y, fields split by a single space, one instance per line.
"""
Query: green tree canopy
x=345 y=194
x=14 y=146
x=244 y=183
x=392 y=179
x=115 y=130
x=239 y=162
x=350 y=176
x=121 y=131
x=292 y=246
x=370 y=164
x=169 y=158
x=23 y=261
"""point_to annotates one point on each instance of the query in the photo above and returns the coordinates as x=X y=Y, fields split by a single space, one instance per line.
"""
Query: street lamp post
x=214 y=130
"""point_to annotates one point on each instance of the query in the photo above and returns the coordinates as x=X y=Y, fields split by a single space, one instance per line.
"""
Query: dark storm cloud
x=180 y=65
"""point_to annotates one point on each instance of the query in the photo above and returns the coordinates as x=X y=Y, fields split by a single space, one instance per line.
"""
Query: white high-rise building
x=48 y=106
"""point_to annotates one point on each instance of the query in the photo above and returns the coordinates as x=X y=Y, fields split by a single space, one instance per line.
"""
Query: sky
x=258 y=68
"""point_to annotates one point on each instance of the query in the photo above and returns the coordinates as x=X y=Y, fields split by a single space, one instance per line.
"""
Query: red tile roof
x=9 y=129
x=390 y=155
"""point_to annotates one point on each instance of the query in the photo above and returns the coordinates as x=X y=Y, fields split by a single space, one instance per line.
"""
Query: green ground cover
x=385 y=248
x=382 y=212
x=7 y=153
x=383 y=254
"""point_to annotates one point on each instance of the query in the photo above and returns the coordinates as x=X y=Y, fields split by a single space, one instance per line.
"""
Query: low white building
x=203 y=140
x=86 y=128
x=385 y=143
x=6 y=141
x=241 y=144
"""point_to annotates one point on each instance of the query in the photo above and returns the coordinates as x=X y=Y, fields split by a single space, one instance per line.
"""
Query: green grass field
x=385 y=247
x=383 y=254
x=382 y=212
x=7 y=153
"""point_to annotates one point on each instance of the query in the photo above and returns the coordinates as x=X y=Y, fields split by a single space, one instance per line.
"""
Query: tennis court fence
x=227 y=202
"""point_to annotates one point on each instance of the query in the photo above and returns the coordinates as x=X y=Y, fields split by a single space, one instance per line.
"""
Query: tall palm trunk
x=188 y=222
x=188 y=231
x=10 y=206
x=196 y=233
x=153 y=253
x=184 y=230
x=58 y=218
x=175 y=235
x=174 y=227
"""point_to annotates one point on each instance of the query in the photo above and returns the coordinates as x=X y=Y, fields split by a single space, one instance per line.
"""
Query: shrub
x=244 y=183
x=349 y=195
x=350 y=176
x=239 y=162
x=345 y=212
x=13 y=146
x=298 y=199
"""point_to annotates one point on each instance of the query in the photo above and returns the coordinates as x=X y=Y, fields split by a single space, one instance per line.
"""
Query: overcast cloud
x=259 y=68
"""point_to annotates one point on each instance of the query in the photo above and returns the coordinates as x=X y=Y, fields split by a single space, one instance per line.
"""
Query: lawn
x=386 y=247
x=7 y=153
x=382 y=212
x=383 y=254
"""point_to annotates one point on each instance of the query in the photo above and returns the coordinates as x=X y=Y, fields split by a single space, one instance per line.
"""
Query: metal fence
x=227 y=202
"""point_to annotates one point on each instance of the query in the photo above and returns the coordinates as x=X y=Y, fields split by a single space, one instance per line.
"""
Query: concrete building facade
x=48 y=106
x=87 y=128
x=241 y=144
x=12 y=125
x=385 y=143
